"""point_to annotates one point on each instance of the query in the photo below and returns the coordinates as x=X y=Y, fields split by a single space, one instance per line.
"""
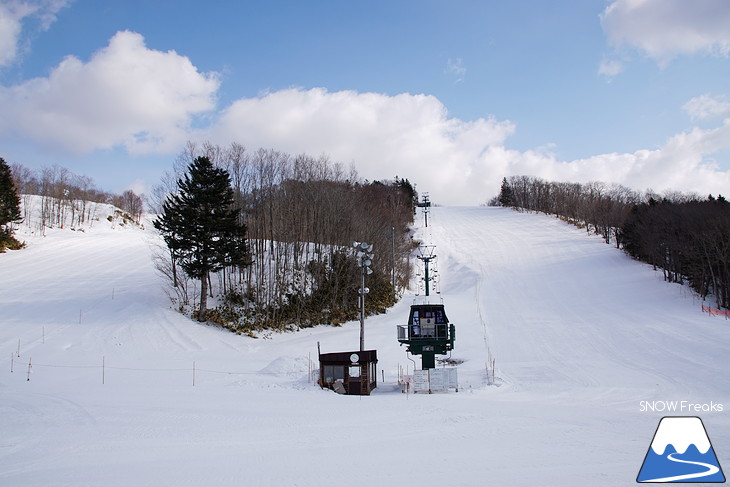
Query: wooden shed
x=352 y=373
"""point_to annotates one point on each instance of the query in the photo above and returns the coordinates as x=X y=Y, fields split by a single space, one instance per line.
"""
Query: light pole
x=364 y=255
x=392 y=265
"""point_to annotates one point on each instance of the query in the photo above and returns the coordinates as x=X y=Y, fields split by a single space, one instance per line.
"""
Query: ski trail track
x=566 y=313
x=580 y=334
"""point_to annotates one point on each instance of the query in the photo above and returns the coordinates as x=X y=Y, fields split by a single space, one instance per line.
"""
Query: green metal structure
x=428 y=333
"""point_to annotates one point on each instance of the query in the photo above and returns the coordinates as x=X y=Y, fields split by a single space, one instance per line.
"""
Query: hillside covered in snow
x=104 y=384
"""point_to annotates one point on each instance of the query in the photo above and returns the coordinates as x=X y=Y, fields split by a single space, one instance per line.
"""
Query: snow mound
x=287 y=366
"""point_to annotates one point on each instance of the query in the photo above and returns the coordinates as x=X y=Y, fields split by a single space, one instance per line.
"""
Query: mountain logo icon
x=681 y=452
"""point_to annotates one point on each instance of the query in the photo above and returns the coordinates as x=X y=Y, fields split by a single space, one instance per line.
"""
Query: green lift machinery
x=428 y=332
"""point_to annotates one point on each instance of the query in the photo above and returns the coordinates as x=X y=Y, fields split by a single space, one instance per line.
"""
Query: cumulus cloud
x=145 y=101
x=126 y=94
x=384 y=136
x=12 y=15
x=684 y=163
x=664 y=29
x=457 y=162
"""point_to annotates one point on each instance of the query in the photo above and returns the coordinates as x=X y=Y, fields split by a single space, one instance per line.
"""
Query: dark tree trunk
x=203 y=298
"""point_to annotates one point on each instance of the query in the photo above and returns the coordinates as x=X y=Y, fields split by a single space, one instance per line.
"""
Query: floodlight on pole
x=365 y=256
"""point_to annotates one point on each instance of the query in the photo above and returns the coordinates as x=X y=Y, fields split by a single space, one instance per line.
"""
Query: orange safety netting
x=716 y=312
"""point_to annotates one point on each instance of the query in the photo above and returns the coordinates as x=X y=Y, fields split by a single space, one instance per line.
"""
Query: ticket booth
x=352 y=373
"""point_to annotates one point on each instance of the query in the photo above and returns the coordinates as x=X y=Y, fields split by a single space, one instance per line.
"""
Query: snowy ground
x=581 y=335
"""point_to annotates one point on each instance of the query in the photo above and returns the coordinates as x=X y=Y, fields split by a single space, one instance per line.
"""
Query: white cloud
x=684 y=163
x=707 y=106
x=457 y=162
x=139 y=187
x=610 y=68
x=456 y=68
x=48 y=9
x=384 y=136
x=12 y=15
x=665 y=28
x=144 y=101
x=126 y=94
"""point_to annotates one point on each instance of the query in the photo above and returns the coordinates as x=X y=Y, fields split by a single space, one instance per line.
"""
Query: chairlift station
x=428 y=332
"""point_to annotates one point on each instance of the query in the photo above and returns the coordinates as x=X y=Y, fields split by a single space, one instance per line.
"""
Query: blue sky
x=453 y=95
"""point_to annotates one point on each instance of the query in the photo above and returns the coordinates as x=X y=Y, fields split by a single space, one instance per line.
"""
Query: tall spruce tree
x=506 y=198
x=9 y=206
x=201 y=227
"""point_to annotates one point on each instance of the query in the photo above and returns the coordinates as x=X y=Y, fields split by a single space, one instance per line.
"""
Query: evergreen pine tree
x=9 y=206
x=505 y=194
x=408 y=188
x=201 y=227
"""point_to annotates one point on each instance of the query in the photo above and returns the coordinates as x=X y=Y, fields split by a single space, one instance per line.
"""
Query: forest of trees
x=688 y=240
x=67 y=199
x=302 y=215
x=686 y=236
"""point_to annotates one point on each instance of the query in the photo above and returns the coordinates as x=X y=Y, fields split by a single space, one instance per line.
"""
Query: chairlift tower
x=426 y=205
x=426 y=256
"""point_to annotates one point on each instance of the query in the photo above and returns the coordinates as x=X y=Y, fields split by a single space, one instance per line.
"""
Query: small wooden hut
x=352 y=373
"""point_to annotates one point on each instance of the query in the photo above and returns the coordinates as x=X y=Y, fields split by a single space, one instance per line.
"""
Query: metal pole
x=393 y=265
x=362 y=310
x=428 y=287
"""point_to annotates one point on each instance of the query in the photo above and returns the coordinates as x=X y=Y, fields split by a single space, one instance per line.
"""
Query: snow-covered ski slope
x=581 y=335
